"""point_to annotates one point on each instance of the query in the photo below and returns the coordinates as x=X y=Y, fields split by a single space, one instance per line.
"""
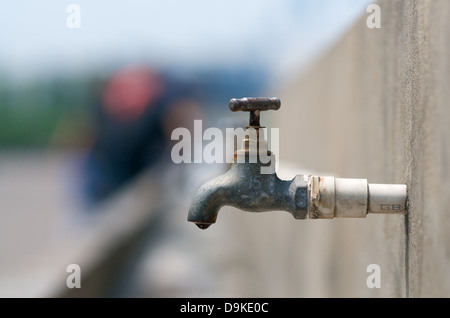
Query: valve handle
x=254 y=105
x=248 y=104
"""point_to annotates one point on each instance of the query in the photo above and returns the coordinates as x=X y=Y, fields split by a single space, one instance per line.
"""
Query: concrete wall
x=374 y=106
x=377 y=106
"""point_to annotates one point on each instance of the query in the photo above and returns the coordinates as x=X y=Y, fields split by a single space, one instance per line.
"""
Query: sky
x=278 y=34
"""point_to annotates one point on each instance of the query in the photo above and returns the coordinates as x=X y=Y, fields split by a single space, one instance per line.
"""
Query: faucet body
x=245 y=188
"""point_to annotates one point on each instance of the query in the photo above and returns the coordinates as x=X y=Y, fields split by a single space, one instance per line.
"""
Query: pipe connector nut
x=299 y=189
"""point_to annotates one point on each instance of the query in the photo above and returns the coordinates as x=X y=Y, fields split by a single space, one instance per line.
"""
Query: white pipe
x=353 y=198
x=387 y=198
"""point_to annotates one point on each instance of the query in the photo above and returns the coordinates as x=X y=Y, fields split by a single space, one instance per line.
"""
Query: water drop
x=203 y=226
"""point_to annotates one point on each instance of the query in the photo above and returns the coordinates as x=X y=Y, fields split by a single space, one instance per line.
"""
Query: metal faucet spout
x=208 y=200
x=245 y=188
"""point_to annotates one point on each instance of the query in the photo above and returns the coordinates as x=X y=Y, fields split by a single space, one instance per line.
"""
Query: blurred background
x=86 y=116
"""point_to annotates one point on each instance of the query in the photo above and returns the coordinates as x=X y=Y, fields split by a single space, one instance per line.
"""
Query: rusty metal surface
x=245 y=188
x=254 y=105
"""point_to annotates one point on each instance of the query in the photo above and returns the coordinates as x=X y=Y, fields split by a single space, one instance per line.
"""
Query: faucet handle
x=248 y=104
x=254 y=105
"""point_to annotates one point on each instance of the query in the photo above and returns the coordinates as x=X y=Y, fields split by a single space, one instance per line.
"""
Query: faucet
x=252 y=184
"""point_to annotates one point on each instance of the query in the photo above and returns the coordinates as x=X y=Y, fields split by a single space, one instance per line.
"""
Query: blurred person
x=135 y=114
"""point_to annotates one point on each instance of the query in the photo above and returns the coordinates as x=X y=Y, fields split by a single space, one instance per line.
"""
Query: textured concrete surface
x=376 y=106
